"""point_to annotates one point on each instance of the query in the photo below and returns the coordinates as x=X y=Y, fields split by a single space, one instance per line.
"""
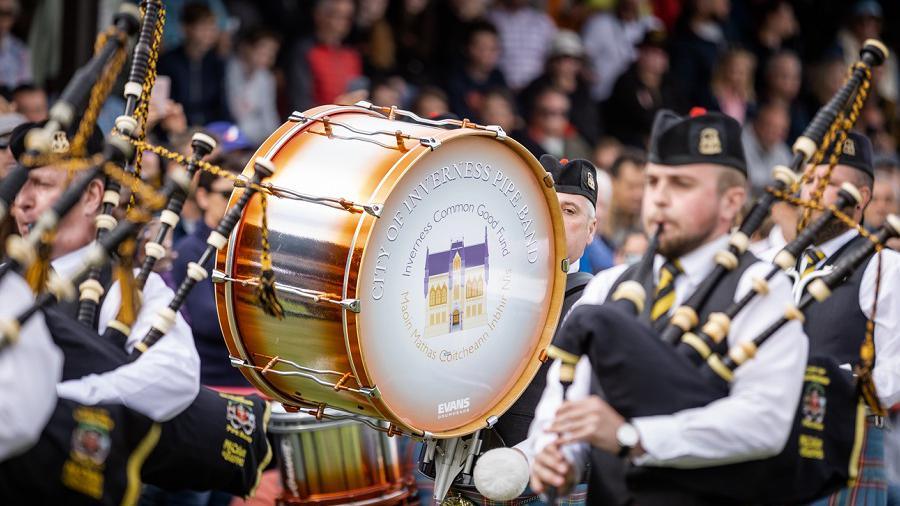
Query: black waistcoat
x=837 y=327
x=513 y=425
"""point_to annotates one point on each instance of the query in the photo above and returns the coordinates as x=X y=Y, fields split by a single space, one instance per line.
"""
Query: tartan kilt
x=870 y=488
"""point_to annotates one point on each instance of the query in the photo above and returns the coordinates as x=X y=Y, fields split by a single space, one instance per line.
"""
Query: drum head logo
x=241 y=417
x=455 y=282
x=814 y=404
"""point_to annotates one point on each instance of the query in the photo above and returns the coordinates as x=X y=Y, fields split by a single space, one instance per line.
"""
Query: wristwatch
x=627 y=436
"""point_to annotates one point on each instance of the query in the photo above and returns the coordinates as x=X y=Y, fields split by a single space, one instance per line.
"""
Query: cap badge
x=590 y=181
x=59 y=143
x=849 y=147
x=710 y=144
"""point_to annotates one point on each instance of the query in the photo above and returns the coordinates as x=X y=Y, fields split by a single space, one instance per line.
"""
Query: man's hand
x=551 y=468
x=591 y=420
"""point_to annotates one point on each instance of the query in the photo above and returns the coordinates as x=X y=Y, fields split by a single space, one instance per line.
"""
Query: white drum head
x=455 y=284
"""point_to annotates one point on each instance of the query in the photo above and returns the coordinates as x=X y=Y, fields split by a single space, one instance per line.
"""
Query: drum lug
x=430 y=142
x=219 y=277
x=298 y=117
x=374 y=209
x=351 y=305
x=498 y=131
x=491 y=421
x=548 y=180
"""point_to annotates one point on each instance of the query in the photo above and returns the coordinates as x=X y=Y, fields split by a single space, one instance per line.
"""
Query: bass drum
x=420 y=269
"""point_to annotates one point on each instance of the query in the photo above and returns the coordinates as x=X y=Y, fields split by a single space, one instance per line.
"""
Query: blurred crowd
x=572 y=78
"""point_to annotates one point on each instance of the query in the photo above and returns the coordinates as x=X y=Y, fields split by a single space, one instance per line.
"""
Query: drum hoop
x=351 y=328
x=232 y=329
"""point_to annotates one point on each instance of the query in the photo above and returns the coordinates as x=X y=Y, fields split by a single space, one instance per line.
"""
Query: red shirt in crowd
x=332 y=68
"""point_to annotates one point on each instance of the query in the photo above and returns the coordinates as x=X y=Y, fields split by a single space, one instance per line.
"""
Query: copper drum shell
x=319 y=248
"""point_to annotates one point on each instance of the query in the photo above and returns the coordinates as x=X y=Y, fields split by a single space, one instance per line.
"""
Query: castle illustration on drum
x=455 y=283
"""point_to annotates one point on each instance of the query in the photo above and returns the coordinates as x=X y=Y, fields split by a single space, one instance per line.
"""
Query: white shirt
x=610 y=45
x=752 y=422
x=164 y=380
x=526 y=35
x=774 y=241
x=887 y=322
x=29 y=372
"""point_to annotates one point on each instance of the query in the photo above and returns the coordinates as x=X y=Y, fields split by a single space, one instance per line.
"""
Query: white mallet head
x=501 y=474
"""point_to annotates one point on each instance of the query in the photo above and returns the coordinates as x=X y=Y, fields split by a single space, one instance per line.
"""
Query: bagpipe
x=217 y=443
x=688 y=364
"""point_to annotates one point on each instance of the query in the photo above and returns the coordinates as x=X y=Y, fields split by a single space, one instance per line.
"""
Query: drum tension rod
x=303 y=372
x=365 y=135
x=392 y=113
x=352 y=305
x=373 y=209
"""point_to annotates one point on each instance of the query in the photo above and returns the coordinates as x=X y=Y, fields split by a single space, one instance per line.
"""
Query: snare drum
x=337 y=462
x=420 y=269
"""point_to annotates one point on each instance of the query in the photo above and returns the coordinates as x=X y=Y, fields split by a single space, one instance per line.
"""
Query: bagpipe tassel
x=265 y=288
x=131 y=300
x=38 y=272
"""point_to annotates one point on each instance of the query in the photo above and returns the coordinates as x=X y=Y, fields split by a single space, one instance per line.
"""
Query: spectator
x=781 y=84
x=776 y=30
x=526 y=35
x=606 y=152
x=885 y=198
x=732 y=83
x=865 y=23
x=633 y=248
x=696 y=44
x=322 y=66
x=415 y=27
x=764 y=145
x=431 y=102
x=166 y=119
x=173 y=33
x=549 y=130
x=375 y=37
x=15 y=59
x=31 y=102
x=628 y=192
x=598 y=255
x=467 y=86
x=388 y=92
x=825 y=80
x=565 y=71
x=610 y=38
x=200 y=306
x=8 y=122
x=499 y=108
x=196 y=71
x=640 y=93
x=457 y=18
x=250 y=85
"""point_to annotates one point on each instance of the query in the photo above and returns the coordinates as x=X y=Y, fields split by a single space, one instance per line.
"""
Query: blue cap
x=229 y=136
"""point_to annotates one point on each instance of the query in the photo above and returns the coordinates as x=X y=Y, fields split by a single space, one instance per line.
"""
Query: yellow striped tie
x=664 y=297
x=813 y=257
